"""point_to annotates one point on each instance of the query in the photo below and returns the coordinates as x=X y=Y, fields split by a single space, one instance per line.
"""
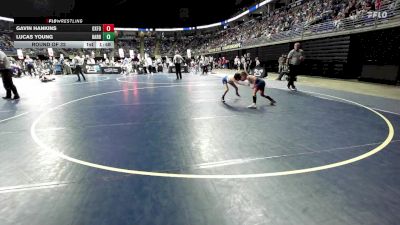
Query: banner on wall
x=131 y=54
x=111 y=70
x=92 y=68
x=214 y=50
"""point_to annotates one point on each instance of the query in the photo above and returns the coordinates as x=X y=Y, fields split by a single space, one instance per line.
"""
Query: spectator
x=281 y=66
x=237 y=63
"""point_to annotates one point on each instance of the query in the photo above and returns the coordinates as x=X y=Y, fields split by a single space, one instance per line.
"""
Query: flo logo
x=258 y=72
x=379 y=15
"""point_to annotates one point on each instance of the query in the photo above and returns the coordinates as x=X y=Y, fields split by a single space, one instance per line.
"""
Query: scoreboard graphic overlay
x=62 y=33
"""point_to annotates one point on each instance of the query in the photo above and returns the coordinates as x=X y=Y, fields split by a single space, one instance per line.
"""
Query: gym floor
x=149 y=149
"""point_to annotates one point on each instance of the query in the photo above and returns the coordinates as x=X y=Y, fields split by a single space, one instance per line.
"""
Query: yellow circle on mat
x=212 y=176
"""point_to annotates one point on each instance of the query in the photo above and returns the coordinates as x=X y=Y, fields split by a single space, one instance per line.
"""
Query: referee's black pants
x=205 y=69
x=8 y=84
x=30 y=69
x=294 y=71
x=178 y=71
x=78 y=71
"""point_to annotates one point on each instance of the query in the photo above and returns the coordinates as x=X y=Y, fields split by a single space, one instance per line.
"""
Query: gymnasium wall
x=372 y=56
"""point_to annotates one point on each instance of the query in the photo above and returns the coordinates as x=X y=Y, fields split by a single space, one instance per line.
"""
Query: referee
x=178 y=59
x=79 y=62
x=294 y=59
x=6 y=75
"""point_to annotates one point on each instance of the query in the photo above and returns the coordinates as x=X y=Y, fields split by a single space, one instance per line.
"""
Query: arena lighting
x=145 y=29
x=7 y=19
x=238 y=16
x=189 y=28
x=132 y=29
x=250 y=10
x=263 y=3
x=126 y=29
x=175 y=29
x=210 y=25
x=169 y=29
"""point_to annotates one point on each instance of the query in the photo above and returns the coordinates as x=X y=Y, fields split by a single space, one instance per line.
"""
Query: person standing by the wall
x=6 y=75
x=206 y=64
x=257 y=62
x=225 y=63
x=135 y=62
x=253 y=64
x=243 y=63
x=294 y=59
x=149 y=63
x=178 y=59
x=248 y=63
x=67 y=67
x=281 y=66
x=237 y=63
x=30 y=66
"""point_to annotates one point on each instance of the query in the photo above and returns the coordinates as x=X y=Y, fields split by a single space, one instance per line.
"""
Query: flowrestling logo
x=379 y=15
x=65 y=21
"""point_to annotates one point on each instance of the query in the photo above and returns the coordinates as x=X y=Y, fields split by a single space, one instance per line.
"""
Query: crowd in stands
x=149 y=44
x=126 y=45
x=5 y=36
x=296 y=18
x=167 y=44
x=5 y=26
x=5 y=41
x=170 y=44
x=288 y=20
